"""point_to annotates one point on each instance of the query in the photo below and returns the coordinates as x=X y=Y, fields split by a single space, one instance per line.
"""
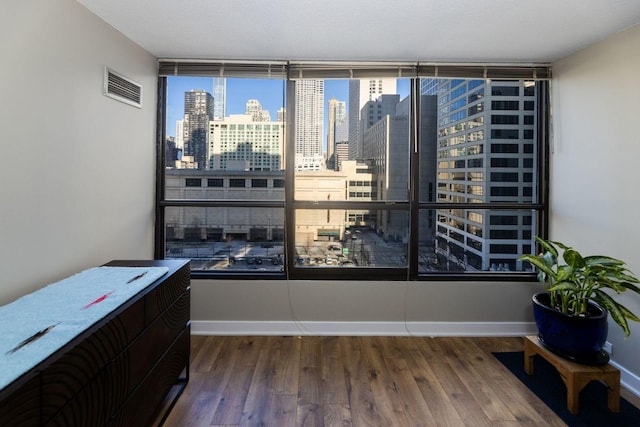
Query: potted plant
x=571 y=315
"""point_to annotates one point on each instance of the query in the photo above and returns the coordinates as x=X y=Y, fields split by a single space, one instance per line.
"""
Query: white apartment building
x=309 y=119
x=239 y=140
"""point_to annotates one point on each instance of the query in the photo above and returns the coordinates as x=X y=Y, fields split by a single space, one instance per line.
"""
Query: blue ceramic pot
x=577 y=338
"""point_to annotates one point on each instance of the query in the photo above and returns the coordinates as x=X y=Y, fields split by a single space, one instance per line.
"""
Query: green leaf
x=549 y=259
x=539 y=263
x=548 y=246
x=628 y=314
x=614 y=309
x=573 y=258
x=630 y=286
x=602 y=260
x=565 y=272
x=624 y=277
x=560 y=245
x=563 y=286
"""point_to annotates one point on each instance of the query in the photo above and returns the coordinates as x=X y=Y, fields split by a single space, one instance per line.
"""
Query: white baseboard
x=628 y=379
x=212 y=327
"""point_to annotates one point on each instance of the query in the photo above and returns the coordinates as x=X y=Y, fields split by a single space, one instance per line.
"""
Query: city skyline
x=270 y=93
x=476 y=144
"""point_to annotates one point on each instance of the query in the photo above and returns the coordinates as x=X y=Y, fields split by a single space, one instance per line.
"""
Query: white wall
x=595 y=199
x=361 y=307
x=77 y=173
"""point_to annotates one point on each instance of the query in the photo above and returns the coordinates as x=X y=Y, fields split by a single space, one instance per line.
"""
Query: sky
x=270 y=93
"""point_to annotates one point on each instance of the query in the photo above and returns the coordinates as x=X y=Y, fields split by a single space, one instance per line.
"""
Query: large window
x=320 y=171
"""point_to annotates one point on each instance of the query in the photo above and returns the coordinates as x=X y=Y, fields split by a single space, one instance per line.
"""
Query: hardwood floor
x=355 y=381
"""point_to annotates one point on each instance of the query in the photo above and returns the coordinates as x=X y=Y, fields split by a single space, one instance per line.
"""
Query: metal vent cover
x=121 y=88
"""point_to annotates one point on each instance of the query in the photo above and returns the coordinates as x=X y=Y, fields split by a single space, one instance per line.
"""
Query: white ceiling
x=500 y=31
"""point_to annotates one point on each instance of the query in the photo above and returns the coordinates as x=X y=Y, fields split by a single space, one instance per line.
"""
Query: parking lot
x=364 y=248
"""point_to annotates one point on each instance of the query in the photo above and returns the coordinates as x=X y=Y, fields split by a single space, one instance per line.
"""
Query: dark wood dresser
x=119 y=371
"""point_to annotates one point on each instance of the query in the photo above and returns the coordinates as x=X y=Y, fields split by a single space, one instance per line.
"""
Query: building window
x=504 y=162
x=505 y=105
x=377 y=177
x=504 y=133
x=505 y=91
x=504 y=177
x=503 y=119
x=504 y=191
x=259 y=183
x=237 y=182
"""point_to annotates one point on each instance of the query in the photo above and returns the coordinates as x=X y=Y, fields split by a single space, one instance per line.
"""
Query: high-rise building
x=171 y=152
x=360 y=92
x=254 y=109
x=198 y=111
x=486 y=152
x=219 y=98
x=342 y=131
x=180 y=134
x=337 y=115
x=309 y=101
x=341 y=154
x=370 y=114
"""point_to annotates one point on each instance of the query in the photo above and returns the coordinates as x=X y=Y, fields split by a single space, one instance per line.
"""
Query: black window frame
x=539 y=73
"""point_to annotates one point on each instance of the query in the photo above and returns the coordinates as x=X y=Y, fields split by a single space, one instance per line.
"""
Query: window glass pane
x=226 y=239
x=457 y=240
x=477 y=155
x=229 y=129
x=351 y=238
x=350 y=154
x=352 y=131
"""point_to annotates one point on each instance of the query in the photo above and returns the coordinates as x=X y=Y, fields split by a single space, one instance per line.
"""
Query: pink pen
x=97 y=300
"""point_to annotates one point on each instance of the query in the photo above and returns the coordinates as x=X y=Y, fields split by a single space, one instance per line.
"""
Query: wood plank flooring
x=354 y=381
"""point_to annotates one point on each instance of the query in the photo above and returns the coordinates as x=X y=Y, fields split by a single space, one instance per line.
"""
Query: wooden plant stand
x=575 y=376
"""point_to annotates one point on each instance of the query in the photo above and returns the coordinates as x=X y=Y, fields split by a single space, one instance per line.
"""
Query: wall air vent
x=121 y=88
